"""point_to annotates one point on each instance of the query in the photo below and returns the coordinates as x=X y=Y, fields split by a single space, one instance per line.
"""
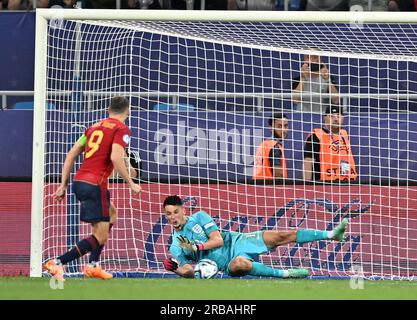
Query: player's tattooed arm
x=117 y=155
x=133 y=161
x=132 y=164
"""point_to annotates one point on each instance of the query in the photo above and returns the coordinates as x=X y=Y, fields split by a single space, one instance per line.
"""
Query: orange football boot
x=96 y=272
x=56 y=270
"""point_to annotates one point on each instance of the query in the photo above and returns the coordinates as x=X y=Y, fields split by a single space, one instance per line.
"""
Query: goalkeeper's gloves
x=189 y=246
x=170 y=264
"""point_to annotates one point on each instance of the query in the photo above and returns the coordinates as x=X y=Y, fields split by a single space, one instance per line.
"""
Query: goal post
x=38 y=159
x=203 y=85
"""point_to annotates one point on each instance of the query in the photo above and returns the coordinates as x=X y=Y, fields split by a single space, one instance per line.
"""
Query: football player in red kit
x=104 y=146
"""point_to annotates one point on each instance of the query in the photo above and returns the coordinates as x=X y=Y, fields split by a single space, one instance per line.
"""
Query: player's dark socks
x=259 y=269
x=95 y=255
x=80 y=249
x=309 y=235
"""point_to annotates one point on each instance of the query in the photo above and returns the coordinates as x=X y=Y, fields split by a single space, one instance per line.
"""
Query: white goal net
x=202 y=94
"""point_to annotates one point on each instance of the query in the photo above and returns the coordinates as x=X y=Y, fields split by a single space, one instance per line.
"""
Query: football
x=205 y=269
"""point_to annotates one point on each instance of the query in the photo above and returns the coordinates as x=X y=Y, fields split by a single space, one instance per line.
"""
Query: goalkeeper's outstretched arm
x=185 y=271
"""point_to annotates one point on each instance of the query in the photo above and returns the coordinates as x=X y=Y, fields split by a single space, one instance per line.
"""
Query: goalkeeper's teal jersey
x=196 y=229
x=199 y=226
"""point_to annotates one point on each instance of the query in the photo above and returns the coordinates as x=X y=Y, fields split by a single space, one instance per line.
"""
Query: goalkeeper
x=197 y=237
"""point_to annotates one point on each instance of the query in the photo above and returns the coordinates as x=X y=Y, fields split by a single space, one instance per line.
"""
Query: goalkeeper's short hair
x=172 y=201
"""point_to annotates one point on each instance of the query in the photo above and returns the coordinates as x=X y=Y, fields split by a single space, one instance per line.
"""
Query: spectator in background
x=327 y=5
x=125 y=4
x=67 y=4
x=95 y=4
x=402 y=5
x=251 y=4
x=266 y=5
x=196 y=4
x=314 y=78
x=22 y=4
x=270 y=160
x=28 y=4
x=327 y=152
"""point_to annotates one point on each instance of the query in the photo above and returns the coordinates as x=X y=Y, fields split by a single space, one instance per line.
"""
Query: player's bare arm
x=72 y=155
x=133 y=160
x=117 y=157
x=308 y=169
x=278 y=172
x=185 y=271
x=334 y=93
x=305 y=72
x=132 y=171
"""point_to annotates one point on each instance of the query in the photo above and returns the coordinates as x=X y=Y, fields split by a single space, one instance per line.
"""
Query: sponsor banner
x=221 y=145
x=376 y=238
x=381 y=238
x=15 y=217
x=217 y=145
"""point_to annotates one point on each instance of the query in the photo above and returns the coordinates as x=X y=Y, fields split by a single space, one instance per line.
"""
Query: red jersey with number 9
x=97 y=165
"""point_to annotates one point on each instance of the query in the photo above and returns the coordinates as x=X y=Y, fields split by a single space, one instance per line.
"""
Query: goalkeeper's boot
x=96 y=272
x=339 y=231
x=56 y=270
x=298 y=273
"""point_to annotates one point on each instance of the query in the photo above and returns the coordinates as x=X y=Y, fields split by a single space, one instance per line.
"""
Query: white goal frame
x=43 y=16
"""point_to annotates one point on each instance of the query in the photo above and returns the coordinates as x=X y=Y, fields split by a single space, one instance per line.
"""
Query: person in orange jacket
x=270 y=160
x=327 y=153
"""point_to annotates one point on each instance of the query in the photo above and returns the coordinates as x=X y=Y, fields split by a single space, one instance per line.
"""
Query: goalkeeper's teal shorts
x=248 y=245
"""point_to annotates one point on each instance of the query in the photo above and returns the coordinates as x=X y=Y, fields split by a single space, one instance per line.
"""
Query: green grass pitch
x=193 y=289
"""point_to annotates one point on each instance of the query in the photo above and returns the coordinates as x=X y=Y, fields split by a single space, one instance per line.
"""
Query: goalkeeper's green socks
x=259 y=269
x=309 y=235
